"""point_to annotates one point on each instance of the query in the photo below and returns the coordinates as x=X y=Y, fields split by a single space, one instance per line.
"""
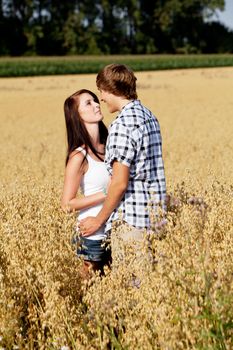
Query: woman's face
x=88 y=109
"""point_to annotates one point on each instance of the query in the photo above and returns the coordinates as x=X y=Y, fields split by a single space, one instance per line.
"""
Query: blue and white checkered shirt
x=135 y=141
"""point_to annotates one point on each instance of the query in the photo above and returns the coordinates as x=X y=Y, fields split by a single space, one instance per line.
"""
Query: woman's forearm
x=83 y=202
x=116 y=190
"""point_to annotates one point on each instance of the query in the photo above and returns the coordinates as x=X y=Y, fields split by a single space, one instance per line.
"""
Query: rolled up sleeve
x=120 y=146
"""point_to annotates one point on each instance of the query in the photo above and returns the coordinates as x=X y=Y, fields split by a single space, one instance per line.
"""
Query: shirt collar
x=128 y=106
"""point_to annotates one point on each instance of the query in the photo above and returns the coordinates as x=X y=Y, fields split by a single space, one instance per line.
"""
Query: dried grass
x=185 y=299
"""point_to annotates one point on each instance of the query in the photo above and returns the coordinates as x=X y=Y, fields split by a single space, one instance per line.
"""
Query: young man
x=133 y=158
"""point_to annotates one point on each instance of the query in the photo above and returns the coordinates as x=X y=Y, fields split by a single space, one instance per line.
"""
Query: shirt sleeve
x=120 y=146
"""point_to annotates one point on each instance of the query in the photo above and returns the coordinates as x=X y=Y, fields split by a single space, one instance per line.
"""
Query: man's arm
x=117 y=188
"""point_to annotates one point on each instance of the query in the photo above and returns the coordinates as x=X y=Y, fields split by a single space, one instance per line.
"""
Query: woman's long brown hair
x=77 y=134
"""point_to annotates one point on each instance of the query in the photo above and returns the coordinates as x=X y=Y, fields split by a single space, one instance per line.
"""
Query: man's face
x=110 y=100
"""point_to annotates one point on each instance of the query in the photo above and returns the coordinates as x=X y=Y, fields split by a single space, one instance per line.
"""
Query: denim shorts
x=93 y=250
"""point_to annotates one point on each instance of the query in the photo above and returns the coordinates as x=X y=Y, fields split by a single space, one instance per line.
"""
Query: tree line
x=54 y=27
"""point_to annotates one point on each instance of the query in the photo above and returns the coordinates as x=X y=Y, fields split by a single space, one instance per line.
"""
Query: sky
x=226 y=16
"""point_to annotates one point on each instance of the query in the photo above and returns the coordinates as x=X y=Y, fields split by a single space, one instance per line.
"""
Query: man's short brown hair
x=118 y=80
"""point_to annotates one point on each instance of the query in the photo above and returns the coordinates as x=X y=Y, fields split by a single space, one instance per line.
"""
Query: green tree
x=53 y=27
x=178 y=24
x=172 y=25
x=15 y=22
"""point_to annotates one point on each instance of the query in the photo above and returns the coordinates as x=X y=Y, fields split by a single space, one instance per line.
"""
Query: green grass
x=32 y=66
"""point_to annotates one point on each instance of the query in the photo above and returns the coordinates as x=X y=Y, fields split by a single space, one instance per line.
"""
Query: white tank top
x=94 y=180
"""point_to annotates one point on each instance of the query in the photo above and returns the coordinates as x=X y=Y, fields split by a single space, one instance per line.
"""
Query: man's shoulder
x=139 y=111
x=132 y=117
x=118 y=125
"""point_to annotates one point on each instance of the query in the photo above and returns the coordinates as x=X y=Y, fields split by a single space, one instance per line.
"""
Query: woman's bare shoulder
x=76 y=159
x=78 y=153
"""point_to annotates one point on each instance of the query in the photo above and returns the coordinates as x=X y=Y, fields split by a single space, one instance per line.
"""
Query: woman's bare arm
x=117 y=188
x=73 y=174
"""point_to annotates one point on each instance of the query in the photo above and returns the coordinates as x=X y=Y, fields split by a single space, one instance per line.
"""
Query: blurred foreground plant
x=184 y=300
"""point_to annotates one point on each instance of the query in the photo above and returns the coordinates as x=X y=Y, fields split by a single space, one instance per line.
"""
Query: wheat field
x=185 y=301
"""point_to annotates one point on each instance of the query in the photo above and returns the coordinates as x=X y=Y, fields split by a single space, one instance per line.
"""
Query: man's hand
x=88 y=226
x=116 y=190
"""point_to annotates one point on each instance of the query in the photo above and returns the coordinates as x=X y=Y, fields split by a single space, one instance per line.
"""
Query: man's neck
x=122 y=102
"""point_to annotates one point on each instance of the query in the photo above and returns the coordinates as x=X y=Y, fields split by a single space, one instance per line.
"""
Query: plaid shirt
x=135 y=141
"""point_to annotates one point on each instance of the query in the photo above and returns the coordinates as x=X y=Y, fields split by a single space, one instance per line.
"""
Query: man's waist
x=144 y=181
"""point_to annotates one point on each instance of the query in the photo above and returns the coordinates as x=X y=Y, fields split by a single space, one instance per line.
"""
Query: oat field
x=186 y=300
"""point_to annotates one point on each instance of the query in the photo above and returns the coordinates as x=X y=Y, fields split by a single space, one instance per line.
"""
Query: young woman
x=85 y=170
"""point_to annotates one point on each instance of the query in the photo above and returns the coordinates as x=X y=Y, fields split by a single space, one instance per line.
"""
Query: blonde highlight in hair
x=117 y=79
